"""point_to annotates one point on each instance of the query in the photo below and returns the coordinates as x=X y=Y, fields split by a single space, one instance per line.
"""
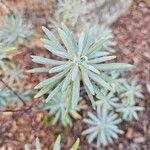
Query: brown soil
x=133 y=46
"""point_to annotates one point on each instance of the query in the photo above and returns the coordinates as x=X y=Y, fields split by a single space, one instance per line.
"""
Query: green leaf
x=57 y=143
x=27 y=147
x=43 y=91
x=52 y=48
x=101 y=59
x=67 y=42
x=54 y=44
x=74 y=72
x=39 y=70
x=113 y=66
x=91 y=68
x=7 y=49
x=70 y=37
x=38 y=145
x=86 y=80
x=81 y=43
x=75 y=92
x=54 y=92
x=90 y=96
x=76 y=144
x=96 y=47
x=51 y=80
x=99 y=80
x=97 y=54
x=49 y=34
x=46 y=61
x=66 y=81
x=59 y=68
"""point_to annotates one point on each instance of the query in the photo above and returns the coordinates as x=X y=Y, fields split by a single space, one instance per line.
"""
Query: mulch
x=133 y=46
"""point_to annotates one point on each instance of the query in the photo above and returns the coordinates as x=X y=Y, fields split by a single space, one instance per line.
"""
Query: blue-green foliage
x=82 y=60
x=57 y=144
x=122 y=104
x=5 y=53
x=15 y=30
x=59 y=107
x=103 y=127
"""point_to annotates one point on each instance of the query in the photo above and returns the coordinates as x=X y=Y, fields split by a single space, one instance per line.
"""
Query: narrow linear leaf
x=27 y=147
x=101 y=59
x=99 y=80
x=58 y=68
x=76 y=144
x=90 y=67
x=38 y=145
x=43 y=91
x=113 y=66
x=46 y=61
x=57 y=143
x=74 y=72
x=67 y=42
x=56 y=51
x=87 y=81
x=75 y=92
x=38 y=70
x=54 y=92
x=66 y=81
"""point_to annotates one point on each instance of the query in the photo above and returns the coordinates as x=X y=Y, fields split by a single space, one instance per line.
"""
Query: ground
x=133 y=46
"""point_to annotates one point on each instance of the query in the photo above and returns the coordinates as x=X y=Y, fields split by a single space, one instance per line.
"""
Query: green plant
x=15 y=31
x=8 y=99
x=81 y=61
x=128 y=108
x=131 y=90
x=103 y=127
x=129 y=111
x=5 y=53
x=59 y=108
x=37 y=144
x=74 y=9
x=14 y=75
x=122 y=103
x=106 y=99
x=57 y=144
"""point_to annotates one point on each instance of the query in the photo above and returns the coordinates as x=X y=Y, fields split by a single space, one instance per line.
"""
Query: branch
x=15 y=93
x=23 y=110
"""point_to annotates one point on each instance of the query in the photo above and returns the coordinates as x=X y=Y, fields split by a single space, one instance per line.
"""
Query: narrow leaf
x=102 y=59
x=57 y=143
x=46 y=61
x=76 y=144
x=75 y=92
x=54 y=92
x=113 y=66
x=38 y=145
x=99 y=80
x=87 y=81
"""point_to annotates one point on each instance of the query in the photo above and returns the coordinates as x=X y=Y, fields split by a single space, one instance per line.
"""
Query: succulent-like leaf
x=60 y=108
x=15 y=31
x=85 y=59
x=103 y=127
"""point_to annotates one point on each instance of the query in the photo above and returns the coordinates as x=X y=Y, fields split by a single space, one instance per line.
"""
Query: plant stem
x=15 y=93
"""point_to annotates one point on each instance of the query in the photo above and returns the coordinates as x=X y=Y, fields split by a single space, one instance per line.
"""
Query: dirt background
x=132 y=33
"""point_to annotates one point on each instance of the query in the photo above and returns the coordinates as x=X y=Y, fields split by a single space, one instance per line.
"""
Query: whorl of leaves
x=102 y=127
x=83 y=60
x=61 y=111
x=14 y=31
x=57 y=144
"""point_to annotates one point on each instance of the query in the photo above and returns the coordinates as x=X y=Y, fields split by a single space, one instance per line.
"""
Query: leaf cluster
x=57 y=144
x=18 y=33
x=82 y=60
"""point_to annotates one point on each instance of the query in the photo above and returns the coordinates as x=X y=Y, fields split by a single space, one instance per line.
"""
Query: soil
x=133 y=46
